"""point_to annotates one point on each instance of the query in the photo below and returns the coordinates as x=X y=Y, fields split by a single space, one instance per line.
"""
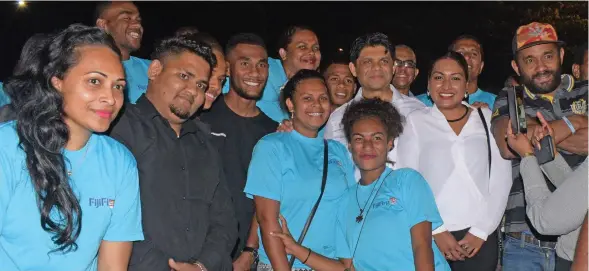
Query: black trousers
x=562 y=264
x=484 y=260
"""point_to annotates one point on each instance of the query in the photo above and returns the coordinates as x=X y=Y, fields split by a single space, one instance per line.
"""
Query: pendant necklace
x=360 y=216
x=69 y=171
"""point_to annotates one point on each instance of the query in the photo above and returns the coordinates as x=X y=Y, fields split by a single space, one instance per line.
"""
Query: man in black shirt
x=237 y=125
x=188 y=217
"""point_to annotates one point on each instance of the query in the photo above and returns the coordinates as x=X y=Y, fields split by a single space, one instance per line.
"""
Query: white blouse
x=457 y=169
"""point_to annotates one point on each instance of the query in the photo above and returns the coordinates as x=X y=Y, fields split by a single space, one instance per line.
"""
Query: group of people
x=211 y=157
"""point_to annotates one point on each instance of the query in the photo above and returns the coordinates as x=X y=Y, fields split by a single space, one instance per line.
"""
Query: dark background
x=428 y=27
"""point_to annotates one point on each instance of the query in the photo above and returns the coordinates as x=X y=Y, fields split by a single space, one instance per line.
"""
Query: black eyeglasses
x=406 y=64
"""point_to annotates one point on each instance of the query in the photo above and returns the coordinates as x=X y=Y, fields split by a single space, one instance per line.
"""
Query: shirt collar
x=476 y=93
x=566 y=84
x=148 y=111
x=396 y=94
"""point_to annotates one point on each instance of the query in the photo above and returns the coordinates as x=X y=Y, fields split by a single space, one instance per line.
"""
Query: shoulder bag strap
x=498 y=231
x=488 y=139
x=310 y=218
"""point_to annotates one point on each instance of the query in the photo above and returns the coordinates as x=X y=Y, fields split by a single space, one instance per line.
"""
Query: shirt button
x=183 y=168
x=184 y=198
x=187 y=229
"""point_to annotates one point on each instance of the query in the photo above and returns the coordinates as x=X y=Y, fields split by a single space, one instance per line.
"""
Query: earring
x=466 y=95
x=427 y=93
x=292 y=114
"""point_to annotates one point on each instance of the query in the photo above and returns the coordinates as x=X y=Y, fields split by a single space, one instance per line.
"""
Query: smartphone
x=516 y=110
x=546 y=152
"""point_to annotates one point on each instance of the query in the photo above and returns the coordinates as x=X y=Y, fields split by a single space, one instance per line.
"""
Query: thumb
x=173 y=264
x=278 y=235
x=462 y=242
x=283 y=225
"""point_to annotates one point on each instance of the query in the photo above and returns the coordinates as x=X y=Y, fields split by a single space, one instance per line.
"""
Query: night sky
x=428 y=27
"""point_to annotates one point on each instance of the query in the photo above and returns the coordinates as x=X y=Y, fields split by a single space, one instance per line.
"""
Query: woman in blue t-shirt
x=385 y=221
x=286 y=170
x=69 y=198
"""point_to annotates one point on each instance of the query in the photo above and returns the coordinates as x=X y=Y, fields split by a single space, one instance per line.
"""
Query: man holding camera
x=538 y=57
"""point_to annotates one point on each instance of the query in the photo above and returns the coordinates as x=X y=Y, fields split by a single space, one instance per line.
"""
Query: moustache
x=544 y=73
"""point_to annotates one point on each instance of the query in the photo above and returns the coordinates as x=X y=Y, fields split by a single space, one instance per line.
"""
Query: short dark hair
x=244 y=38
x=459 y=58
x=286 y=37
x=208 y=39
x=289 y=89
x=334 y=58
x=177 y=45
x=579 y=54
x=384 y=111
x=372 y=40
x=186 y=31
x=467 y=37
x=100 y=8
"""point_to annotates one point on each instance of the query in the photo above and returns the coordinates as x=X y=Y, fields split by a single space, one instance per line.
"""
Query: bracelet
x=308 y=255
x=569 y=124
x=202 y=268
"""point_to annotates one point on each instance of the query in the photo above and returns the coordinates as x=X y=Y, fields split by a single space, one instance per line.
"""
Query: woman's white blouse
x=457 y=169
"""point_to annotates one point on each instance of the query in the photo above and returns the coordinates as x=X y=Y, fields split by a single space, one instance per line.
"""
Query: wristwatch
x=254 y=251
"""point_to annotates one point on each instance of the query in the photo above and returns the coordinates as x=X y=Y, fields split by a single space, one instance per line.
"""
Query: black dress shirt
x=186 y=205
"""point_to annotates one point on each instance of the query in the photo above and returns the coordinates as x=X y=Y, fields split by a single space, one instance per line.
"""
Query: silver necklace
x=70 y=171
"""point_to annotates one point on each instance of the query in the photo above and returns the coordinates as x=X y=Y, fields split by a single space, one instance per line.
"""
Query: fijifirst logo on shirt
x=101 y=202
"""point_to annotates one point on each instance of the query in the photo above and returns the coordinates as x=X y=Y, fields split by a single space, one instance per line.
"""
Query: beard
x=528 y=81
x=243 y=94
x=180 y=113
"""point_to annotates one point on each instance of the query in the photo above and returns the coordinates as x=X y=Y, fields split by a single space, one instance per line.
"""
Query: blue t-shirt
x=382 y=240
x=477 y=96
x=270 y=101
x=136 y=75
x=288 y=167
x=4 y=99
x=104 y=179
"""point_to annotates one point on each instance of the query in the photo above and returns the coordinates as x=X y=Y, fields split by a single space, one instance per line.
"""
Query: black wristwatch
x=254 y=251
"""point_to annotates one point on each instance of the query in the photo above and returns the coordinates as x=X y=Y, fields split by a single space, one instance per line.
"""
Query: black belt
x=531 y=239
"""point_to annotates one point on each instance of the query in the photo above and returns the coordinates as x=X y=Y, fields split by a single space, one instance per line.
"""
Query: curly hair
x=42 y=131
x=388 y=115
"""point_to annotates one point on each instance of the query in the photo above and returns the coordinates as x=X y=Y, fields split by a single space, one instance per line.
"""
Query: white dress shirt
x=335 y=130
x=457 y=169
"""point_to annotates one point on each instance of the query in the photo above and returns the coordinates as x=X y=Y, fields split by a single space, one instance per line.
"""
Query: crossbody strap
x=310 y=218
x=488 y=139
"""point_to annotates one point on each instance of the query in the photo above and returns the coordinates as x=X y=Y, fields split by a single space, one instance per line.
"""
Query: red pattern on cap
x=535 y=32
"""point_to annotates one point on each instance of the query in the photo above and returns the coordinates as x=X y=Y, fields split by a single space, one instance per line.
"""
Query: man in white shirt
x=405 y=69
x=371 y=62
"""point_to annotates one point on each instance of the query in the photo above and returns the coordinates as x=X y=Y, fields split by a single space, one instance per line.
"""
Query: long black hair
x=42 y=131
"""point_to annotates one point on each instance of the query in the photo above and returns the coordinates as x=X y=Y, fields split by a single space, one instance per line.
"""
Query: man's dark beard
x=179 y=112
x=244 y=94
x=529 y=82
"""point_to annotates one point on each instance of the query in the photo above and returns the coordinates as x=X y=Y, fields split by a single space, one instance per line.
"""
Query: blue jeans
x=519 y=256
